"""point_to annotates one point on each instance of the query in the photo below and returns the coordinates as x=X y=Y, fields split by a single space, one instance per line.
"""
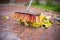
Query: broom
x=30 y=19
x=26 y=17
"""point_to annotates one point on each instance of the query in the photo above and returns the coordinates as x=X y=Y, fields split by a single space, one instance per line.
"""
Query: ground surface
x=11 y=30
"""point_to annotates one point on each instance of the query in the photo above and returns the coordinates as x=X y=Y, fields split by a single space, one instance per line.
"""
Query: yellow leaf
x=42 y=17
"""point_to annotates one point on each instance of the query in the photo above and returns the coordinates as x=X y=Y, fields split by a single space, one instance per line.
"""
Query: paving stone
x=38 y=32
x=34 y=38
x=57 y=32
x=26 y=33
x=23 y=32
x=18 y=29
x=48 y=39
x=48 y=33
x=8 y=36
x=1 y=27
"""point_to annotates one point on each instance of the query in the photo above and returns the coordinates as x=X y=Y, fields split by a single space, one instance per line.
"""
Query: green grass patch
x=48 y=7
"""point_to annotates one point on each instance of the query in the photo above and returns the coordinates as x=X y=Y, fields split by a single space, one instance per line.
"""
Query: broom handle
x=29 y=5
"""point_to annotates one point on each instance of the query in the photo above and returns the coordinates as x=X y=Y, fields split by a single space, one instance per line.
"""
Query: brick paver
x=11 y=27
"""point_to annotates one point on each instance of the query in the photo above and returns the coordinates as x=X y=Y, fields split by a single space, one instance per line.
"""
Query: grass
x=48 y=7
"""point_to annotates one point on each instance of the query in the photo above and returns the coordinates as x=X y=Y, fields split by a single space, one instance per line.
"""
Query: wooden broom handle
x=29 y=5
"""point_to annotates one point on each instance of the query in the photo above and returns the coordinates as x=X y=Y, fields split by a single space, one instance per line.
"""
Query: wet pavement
x=11 y=30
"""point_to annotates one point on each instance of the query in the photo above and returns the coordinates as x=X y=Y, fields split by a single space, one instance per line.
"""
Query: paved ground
x=11 y=30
